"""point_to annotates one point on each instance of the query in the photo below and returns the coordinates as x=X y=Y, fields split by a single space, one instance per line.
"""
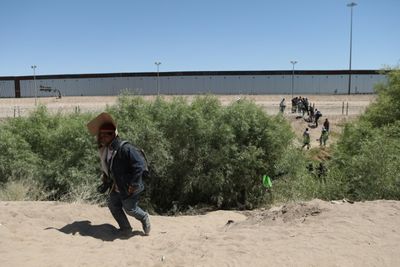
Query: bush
x=366 y=162
x=17 y=161
x=203 y=152
x=53 y=150
x=294 y=181
x=371 y=169
x=386 y=109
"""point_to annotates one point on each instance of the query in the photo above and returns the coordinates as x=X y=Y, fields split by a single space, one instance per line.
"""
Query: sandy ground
x=329 y=104
x=314 y=233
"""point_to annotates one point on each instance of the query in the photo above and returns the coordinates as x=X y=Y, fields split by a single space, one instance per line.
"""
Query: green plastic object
x=267 y=181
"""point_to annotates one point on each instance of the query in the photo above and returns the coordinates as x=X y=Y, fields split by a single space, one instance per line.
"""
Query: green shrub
x=366 y=162
x=55 y=150
x=295 y=181
x=371 y=170
x=17 y=161
x=203 y=152
x=386 y=109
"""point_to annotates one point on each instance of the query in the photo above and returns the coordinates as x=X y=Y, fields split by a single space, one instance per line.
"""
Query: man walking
x=282 y=106
x=306 y=139
x=317 y=115
x=324 y=137
x=123 y=168
x=326 y=124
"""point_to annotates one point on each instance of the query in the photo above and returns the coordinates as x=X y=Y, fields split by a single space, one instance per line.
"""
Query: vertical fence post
x=342 y=107
x=14 y=111
x=347 y=109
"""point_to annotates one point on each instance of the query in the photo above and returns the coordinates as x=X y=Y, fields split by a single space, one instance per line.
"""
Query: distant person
x=299 y=104
x=324 y=137
x=304 y=106
x=321 y=171
x=294 y=104
x=307 y=105
x=317 y=115
x=123 y=168
x=282 y=106
x=310 y=168
x=306 y=139
x=326 y=124
x=312 y=112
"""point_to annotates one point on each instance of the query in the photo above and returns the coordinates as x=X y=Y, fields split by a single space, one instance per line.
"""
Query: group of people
x=303 y=106
x=322 y=139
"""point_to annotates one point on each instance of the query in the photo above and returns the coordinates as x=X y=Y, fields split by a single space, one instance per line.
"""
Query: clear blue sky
x=98 y=36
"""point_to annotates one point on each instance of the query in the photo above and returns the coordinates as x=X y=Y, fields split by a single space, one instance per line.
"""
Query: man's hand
x=105 y=178
x=132 y=189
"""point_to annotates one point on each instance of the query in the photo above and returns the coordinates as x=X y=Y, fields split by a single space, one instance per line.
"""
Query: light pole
x=293 y=62
x=34 y=81
x=158 y=76
x=351 y=5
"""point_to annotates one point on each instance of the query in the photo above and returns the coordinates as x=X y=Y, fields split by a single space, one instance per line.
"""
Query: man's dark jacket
x=127 y=168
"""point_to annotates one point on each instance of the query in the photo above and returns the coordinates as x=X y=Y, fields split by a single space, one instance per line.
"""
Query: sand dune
x=314 y=233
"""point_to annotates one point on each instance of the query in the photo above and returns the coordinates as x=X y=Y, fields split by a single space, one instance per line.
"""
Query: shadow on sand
x=105 y=232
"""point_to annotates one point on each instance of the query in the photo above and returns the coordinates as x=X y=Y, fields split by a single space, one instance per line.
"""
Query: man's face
x=105 y=137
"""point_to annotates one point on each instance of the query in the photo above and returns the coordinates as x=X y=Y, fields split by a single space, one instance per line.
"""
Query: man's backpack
x=147 y=168
x=148 y=172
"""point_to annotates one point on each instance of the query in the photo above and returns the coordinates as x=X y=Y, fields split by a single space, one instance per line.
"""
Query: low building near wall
x=200 y=82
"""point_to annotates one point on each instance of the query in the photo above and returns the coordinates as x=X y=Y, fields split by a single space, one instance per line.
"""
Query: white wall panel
x=216 y=84
x=7 y=88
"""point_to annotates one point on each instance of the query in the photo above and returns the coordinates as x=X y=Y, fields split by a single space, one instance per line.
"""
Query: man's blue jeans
x=117 y=206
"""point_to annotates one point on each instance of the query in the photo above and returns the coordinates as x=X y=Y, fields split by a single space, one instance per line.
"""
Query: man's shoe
x=125 y=232
x=146 y=225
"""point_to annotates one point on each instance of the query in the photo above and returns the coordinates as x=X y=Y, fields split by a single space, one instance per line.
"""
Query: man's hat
x=95 y=124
